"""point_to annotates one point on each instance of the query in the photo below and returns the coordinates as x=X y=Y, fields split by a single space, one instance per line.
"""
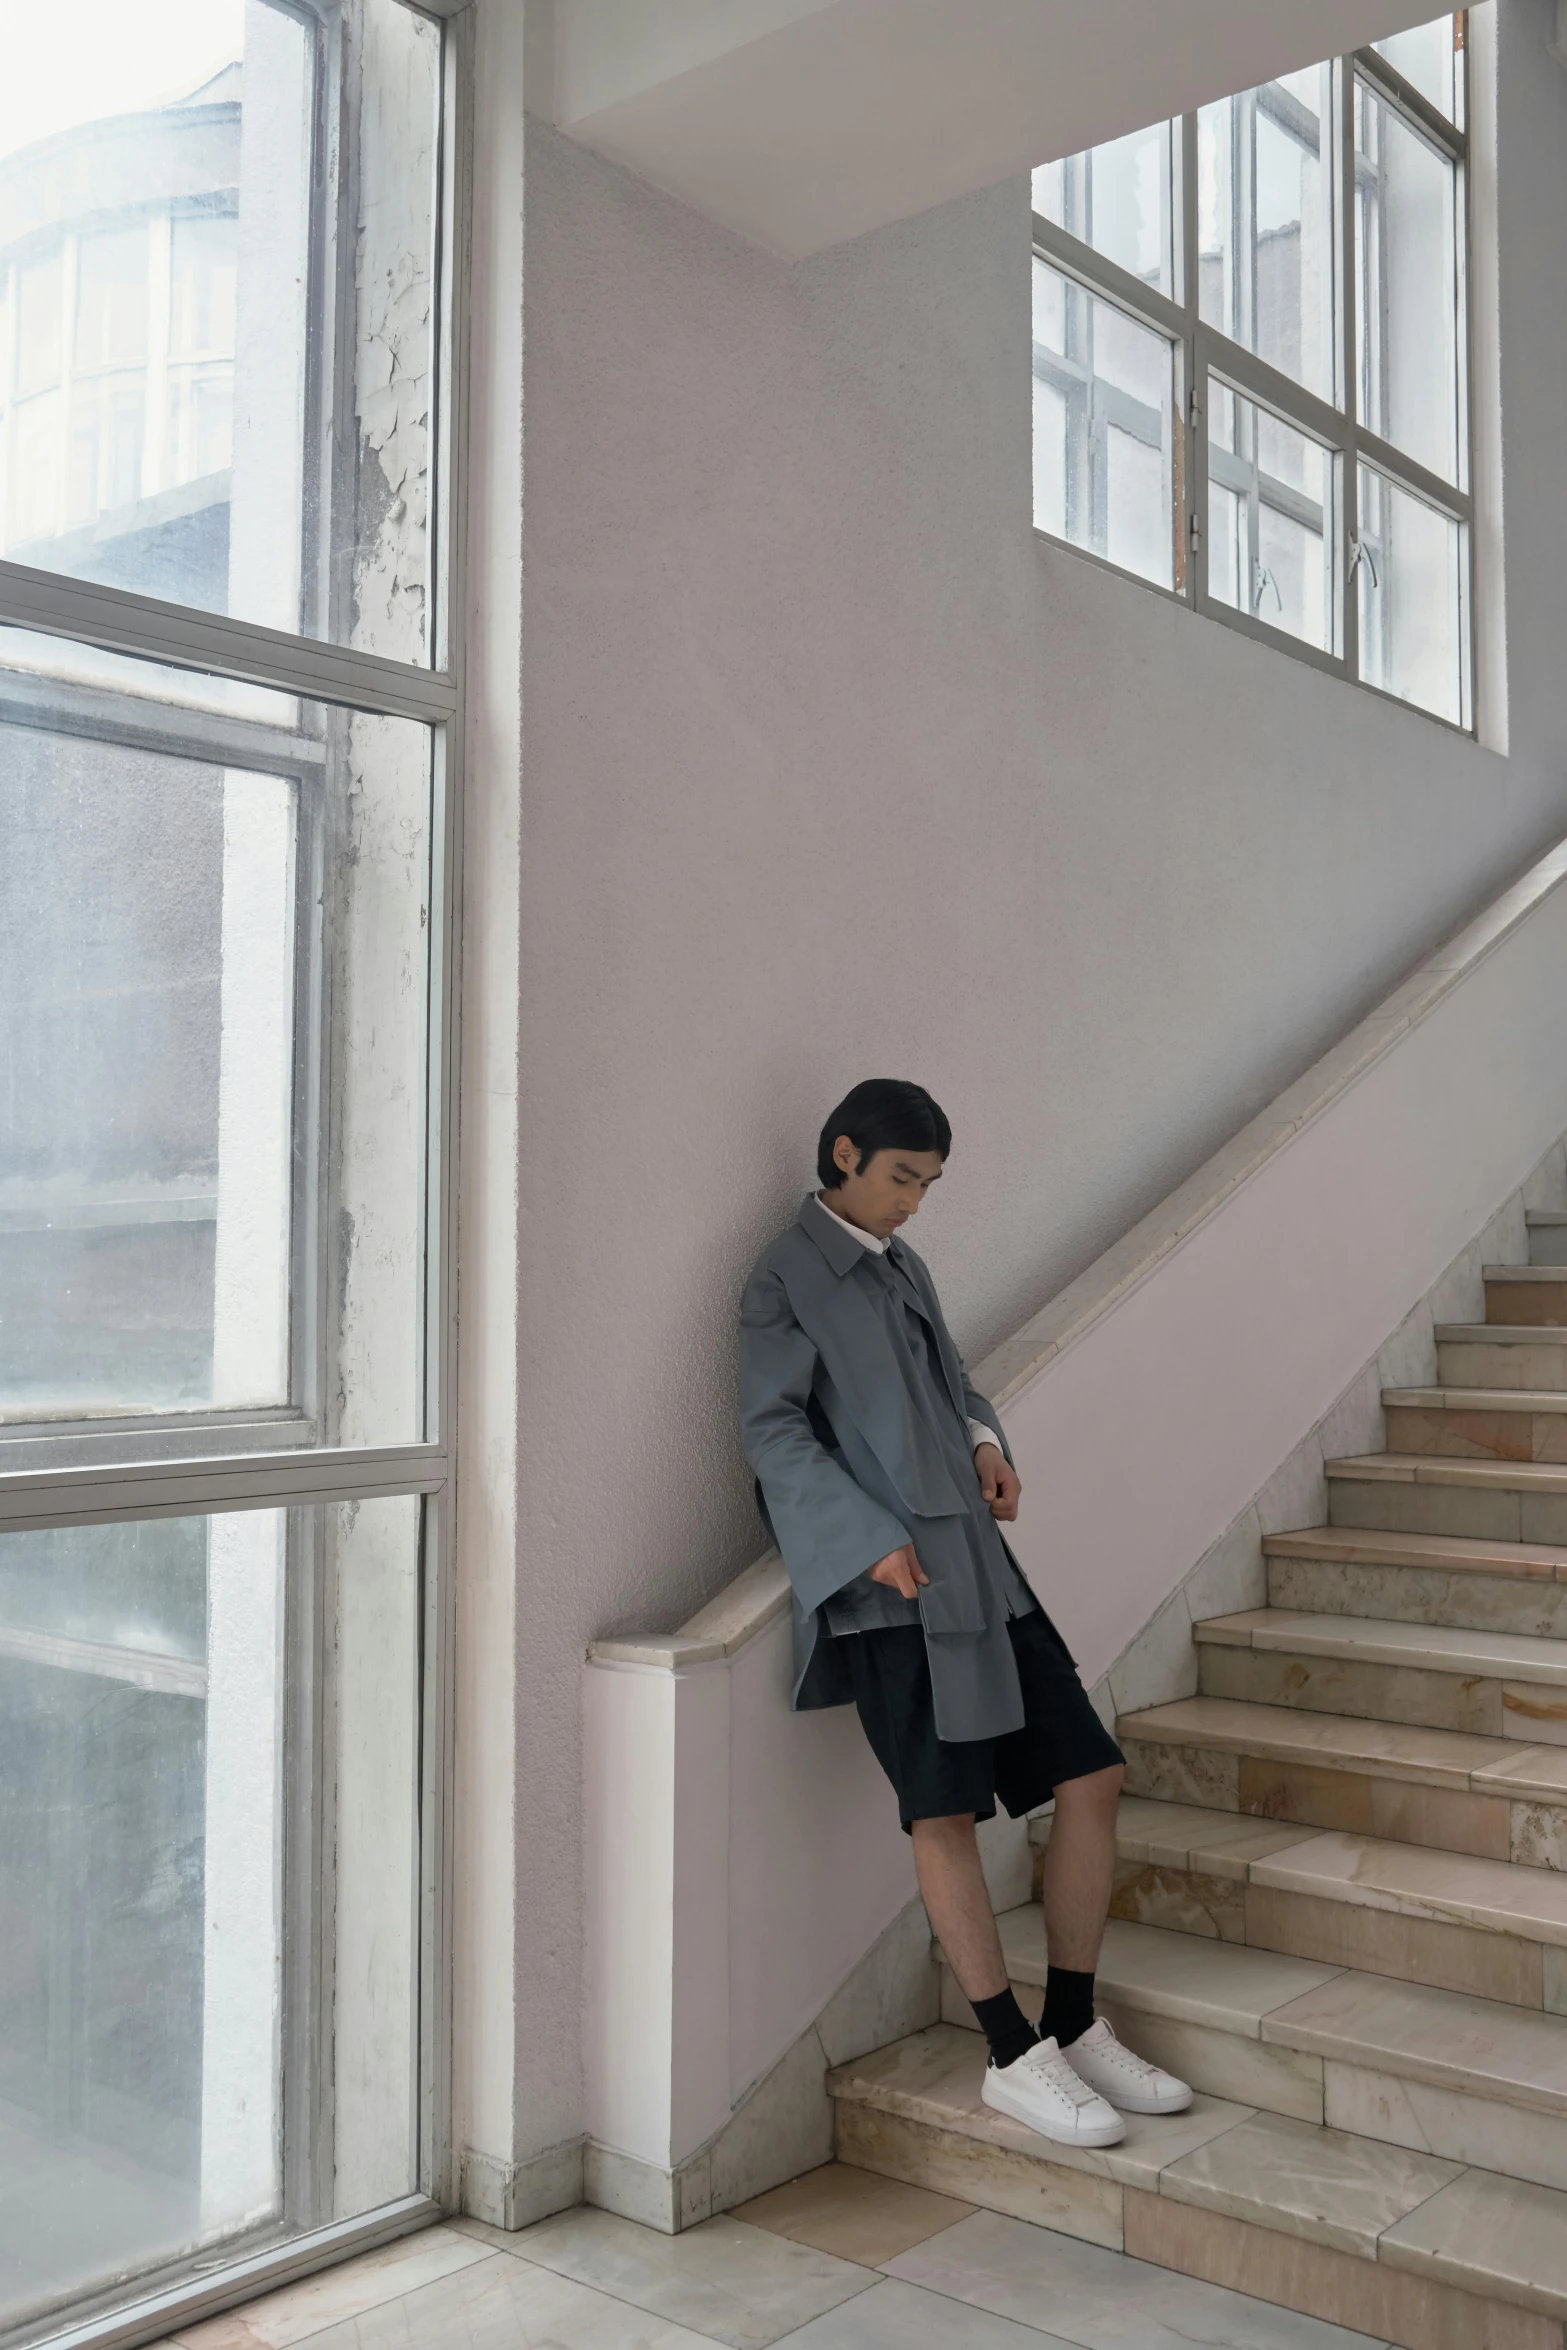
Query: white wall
x=831 y=769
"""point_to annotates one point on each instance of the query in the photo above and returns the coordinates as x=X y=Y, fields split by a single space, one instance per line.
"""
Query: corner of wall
x=513 y=2195
x=783 y=2125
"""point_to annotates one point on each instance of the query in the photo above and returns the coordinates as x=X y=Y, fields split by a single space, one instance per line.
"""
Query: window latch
x=1361 y=553
x=1265 y=580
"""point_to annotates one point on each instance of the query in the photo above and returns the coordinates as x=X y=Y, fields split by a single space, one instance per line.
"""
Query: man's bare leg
x=1080 y=1867
x=952 y=1885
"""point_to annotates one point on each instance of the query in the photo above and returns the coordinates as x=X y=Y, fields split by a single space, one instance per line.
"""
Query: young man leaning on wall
x=885 y=1481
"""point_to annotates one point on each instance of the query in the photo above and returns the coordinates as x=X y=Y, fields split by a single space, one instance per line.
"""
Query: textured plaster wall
x=832 y=768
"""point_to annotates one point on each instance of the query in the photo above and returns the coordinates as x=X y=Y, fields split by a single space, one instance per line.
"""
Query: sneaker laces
x=1112 y=2046
x=1055 y=2067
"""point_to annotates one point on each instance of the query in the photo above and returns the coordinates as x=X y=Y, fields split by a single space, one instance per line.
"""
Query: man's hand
x=900 y=1571
x=998 y=1482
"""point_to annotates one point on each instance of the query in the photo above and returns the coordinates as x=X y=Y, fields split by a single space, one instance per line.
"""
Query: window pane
x=161 y=219
x=1117 y=199
x=1431 y=57
x=145 y=1747
x=1103 y=428
x=1270 y=519
x=1265 y=267
x=161 y=933
x=1413 y=587
x=1407 y=274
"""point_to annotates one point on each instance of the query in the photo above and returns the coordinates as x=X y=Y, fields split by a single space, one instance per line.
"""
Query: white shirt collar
x=865 y=1239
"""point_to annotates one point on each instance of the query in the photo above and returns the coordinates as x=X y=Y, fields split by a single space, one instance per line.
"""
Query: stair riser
x=1387 y=1693
x=1527 y=1304
x=1548 y=1247
x=1498 y=1514
x=1022 y=2185
x=1344 y=1933
x=1415 y=2312
x=1508 y=2138
x=1477 y=1435
x=1446 y=1819
x=1461 y=1362
x=1420 y=1595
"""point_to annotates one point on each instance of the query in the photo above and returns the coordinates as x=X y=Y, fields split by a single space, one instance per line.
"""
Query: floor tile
x=898 y=2316
x=298 y=2311
x=741 y=2285
x=1102 y=2300
x=1305 y=2181
x=854 y=2214
x=502 y=2304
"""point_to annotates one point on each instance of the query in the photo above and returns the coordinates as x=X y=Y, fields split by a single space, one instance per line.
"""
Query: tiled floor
x=838 y=2260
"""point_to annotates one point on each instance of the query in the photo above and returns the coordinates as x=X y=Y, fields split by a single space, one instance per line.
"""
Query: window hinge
x=1196 y=532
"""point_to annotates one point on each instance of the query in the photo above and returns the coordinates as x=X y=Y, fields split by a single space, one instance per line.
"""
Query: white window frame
x=193 y=1463
x=1200 y=352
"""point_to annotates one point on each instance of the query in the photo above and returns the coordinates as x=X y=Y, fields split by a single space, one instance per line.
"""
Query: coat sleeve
x=827 y=1527
x=975 y=1407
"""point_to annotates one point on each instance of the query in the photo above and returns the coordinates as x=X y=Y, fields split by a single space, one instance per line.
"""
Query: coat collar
x=832 y=1236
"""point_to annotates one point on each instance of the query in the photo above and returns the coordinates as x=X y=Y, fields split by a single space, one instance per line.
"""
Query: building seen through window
x=1250 y=362
x=227 y=713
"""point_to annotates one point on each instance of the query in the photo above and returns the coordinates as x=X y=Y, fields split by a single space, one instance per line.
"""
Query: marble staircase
x=1340 y=1904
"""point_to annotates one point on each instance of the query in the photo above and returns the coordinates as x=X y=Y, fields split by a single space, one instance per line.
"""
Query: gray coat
x=854 y=1411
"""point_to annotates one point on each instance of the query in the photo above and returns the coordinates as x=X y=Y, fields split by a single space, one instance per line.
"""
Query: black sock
x=1005 y=2026
x=1069 y=2005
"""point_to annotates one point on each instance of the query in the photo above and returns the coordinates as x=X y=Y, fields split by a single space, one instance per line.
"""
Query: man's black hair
x=883 y=1114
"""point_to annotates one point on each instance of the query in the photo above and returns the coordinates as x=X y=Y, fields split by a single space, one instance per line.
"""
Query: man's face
x=889 y=1191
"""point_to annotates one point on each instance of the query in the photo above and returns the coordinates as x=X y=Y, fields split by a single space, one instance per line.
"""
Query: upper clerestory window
x=1251 y=363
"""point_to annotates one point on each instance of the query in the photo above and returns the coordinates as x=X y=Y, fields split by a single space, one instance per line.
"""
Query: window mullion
x=1346 y=338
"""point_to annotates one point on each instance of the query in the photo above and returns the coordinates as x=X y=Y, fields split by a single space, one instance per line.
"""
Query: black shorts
x=934 y=1778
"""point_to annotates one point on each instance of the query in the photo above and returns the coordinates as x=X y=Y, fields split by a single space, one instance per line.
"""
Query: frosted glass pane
x=1407 y=284
x=1117 y=198
x=1104 y=422
x=1265 y=254
x=1431 y=57
x=1270 y=519
x=1412 y=584
x=163 y=214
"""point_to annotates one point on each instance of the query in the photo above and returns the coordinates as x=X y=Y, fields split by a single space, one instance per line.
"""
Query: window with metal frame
x=230 y=319
x=1251 y=363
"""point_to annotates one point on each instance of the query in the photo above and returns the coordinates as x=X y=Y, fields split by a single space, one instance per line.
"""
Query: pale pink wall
x=831 y=767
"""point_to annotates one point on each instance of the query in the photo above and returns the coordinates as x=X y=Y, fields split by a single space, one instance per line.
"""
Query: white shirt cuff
x=979 y=1434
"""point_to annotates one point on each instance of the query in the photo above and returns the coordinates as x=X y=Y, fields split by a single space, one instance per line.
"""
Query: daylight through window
x=1251 y=362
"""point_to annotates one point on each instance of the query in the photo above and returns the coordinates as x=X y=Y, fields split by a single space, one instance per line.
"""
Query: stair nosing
x=1269 y=1742
x=1457 y=1553
x=1474 y=1399
x=1523 y=1656
x=1430 y=1468
x=1505 y=1333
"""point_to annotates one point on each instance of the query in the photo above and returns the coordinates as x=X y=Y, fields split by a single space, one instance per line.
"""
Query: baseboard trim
x=513 y=2195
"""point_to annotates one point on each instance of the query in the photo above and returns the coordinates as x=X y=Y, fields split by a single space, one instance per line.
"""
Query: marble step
x=1489 y=1354
x=1458 y=1923
x=1420 y=1579
x=1438 y=1676
x=1440 y=2072
x=1416 y=1493
x=1451 y=1790
x=1477 y=1423
x=1547 y=1236
x=1526 y=1295
x=1392 y=2231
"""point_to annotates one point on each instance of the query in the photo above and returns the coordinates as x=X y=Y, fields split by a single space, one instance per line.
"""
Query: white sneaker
x=1124 y=2080
x=1043 y=2090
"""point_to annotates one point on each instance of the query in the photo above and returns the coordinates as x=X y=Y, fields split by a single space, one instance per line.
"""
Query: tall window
x=228 y=745
x=1251 y=363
